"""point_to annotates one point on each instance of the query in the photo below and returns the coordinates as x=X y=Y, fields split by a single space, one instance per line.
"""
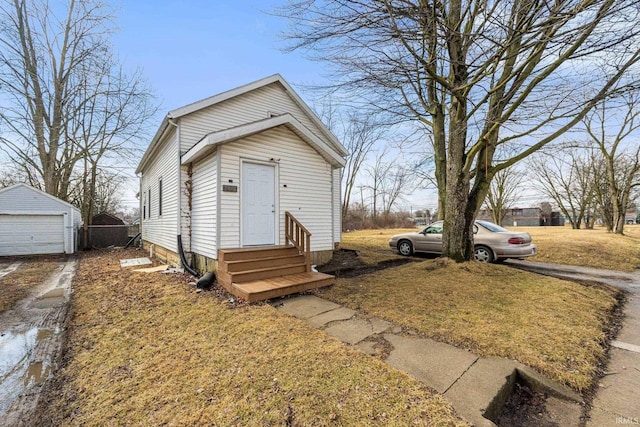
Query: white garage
x=33 y=222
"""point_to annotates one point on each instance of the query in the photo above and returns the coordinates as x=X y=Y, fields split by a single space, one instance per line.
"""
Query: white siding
x=204 y=207
x=306 y=175
x=250 y=107
x=23 y=200
x=337 y=205
x=162 y=230
x=27 y=199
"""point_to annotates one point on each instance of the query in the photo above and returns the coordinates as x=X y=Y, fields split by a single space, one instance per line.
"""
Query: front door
x=258 y=204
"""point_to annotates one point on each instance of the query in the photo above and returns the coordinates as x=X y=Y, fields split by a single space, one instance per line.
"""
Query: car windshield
x=492 y=227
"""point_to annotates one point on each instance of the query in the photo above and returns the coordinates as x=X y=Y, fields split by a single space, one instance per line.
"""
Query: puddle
x=53 y=293
x=44 y=334
x=53 y=298
x=36 y=373
x=16 y=368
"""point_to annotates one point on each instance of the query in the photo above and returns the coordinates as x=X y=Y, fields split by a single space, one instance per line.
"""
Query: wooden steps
x=256 y=274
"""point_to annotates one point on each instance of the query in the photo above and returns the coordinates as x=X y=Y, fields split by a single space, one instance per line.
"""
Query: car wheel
x=405 y=247
x=483 y=254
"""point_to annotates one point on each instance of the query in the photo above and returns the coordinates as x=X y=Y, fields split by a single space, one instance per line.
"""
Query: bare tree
x=396 y=183
x=621 y=163
x=359 y=134
x=113 y=109
x=569 y=180
x=69 y=104
x=12 y=176
x=503 y=193
x=377 y=172
x=546 y=210
x=479 y=75
x=107 y=196
x=388 y=181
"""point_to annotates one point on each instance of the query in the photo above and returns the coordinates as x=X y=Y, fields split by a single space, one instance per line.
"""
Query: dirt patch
x=347 y=263
x=525 y=408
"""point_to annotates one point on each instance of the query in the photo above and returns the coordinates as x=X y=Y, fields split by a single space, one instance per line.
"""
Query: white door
x=258 y=204
x=31 y=234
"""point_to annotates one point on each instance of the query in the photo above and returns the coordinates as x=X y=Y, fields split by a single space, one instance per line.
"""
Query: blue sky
x=190 y=50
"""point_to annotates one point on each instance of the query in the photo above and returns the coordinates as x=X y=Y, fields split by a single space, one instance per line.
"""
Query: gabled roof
x=110 y=219
x=208 y=143
x=207 y=102
x=40 y=192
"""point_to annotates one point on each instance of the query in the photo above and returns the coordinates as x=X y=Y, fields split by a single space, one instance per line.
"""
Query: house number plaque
x=230 y=188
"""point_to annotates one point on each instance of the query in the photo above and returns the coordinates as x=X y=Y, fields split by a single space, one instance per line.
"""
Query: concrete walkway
x=477 y=387
x=617 y=401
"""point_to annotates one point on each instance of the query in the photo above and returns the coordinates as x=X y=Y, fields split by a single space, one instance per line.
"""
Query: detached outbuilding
x=33 y=222
x=107 y=230
x=250 y=180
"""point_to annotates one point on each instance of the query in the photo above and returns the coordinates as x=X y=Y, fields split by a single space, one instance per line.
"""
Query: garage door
x=31 y=234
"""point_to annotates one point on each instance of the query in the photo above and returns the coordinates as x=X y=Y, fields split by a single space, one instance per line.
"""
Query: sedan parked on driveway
x=491 y=242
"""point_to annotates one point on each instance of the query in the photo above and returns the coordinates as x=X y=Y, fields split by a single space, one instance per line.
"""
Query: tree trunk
x=458 y=218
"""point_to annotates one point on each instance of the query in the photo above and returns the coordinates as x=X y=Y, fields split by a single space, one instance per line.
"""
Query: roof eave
x=154 y=143
x=206 y=144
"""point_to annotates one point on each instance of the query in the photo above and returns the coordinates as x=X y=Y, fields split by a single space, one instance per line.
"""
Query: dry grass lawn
x=373 y=245
x=561 y=245
x=554 y=326
x=17 y=285
x=146 y=349
x=589 y=248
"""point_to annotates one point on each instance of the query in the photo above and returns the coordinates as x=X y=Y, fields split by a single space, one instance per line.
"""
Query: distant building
x=525 y=217
x=419 y=220
x=105 y=218
x=106 y=230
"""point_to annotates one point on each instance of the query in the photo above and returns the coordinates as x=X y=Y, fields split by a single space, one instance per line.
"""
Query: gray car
x=491 y=242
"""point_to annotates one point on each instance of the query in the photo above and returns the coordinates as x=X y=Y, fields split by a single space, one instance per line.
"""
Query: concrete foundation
x=203 y=264
x=163 y=254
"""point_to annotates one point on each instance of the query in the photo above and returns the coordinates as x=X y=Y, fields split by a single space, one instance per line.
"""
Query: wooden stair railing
x=299 y=236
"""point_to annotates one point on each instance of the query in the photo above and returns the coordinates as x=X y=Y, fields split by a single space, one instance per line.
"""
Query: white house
x=229 y=171
x=33 y=222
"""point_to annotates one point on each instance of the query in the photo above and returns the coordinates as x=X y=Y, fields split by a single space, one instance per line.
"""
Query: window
x=144 y=206
x=149 y=201
x=435 y=228
x=160 y=197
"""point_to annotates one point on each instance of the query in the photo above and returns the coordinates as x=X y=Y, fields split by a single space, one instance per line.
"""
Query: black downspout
x=184 y=260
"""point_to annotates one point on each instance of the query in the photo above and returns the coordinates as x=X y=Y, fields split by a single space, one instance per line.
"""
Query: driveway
x=616 y=401
x=30 y=338
x=629 y=282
